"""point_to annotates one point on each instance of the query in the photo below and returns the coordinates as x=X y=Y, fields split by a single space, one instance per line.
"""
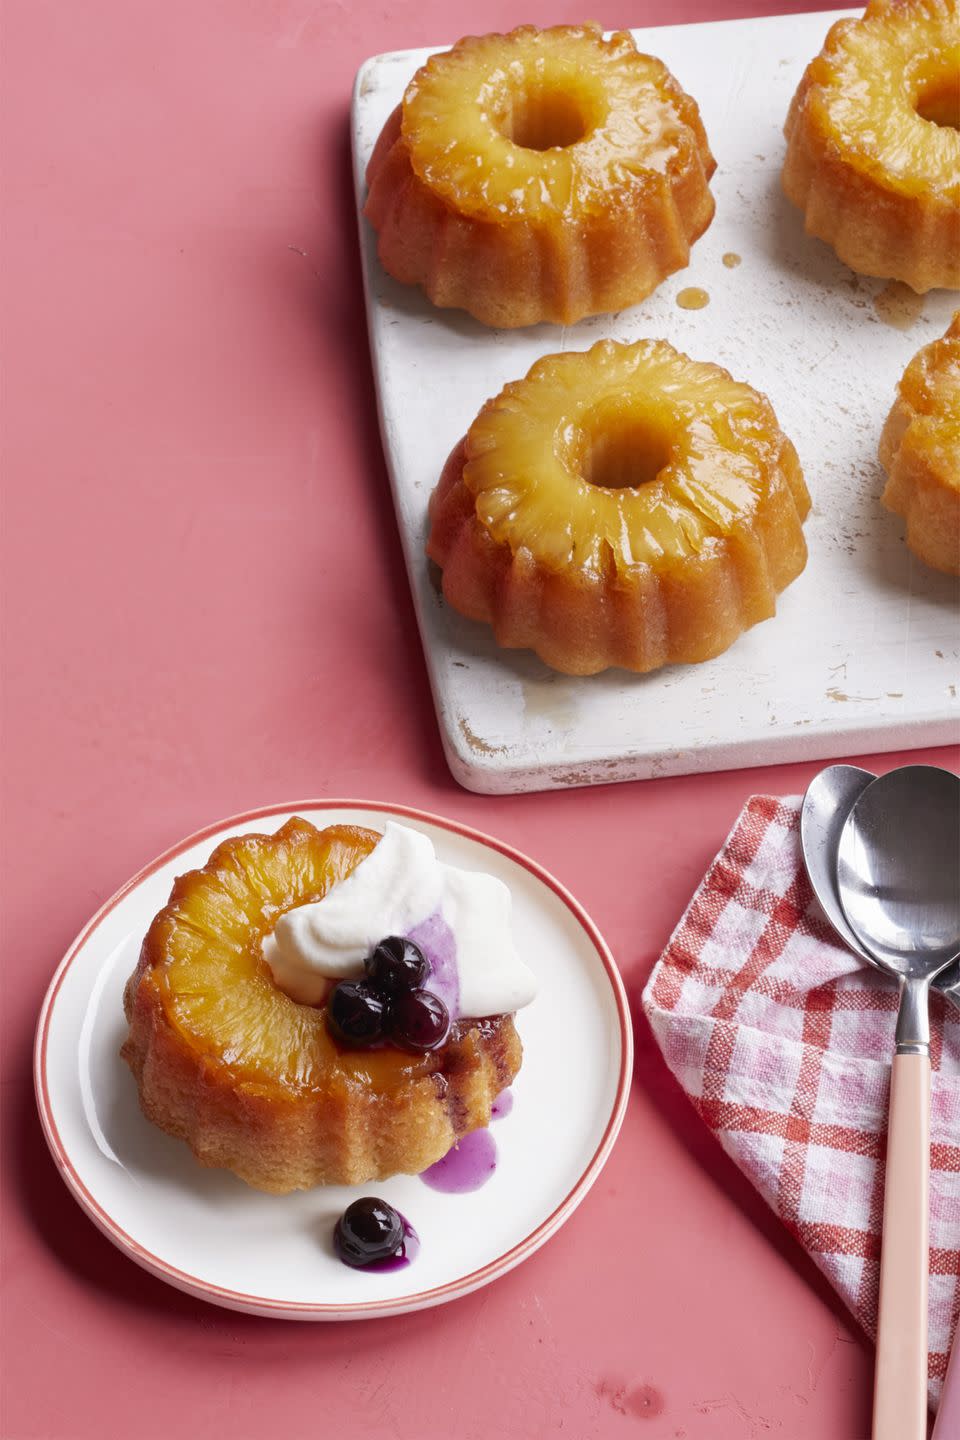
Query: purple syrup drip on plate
x=466 y=1167
x=439 y=945
x=502 y=1105
x=408 y=1251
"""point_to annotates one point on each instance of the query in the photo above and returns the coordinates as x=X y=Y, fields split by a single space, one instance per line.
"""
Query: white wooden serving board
x=862 y=654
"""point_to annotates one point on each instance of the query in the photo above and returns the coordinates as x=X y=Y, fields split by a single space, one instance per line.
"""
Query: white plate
x=862 y=653
x=209 y=1234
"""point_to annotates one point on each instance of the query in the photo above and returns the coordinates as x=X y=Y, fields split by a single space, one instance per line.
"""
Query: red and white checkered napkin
x=783 y=1041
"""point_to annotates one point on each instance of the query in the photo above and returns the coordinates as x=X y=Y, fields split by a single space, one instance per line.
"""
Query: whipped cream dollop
x=459 y=918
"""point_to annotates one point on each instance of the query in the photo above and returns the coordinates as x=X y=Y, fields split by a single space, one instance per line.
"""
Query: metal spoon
x=830 y=797
x=899 y=883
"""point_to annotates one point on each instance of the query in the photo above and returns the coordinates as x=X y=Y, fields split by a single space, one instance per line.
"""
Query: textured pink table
x=205 y=610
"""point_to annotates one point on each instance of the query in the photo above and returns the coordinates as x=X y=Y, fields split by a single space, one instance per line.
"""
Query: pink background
x=205 y=610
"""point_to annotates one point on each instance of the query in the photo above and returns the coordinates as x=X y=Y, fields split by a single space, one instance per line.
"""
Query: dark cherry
x=419 y=1021
x=356 y=1014
x=368 y=1230
x=396 y=964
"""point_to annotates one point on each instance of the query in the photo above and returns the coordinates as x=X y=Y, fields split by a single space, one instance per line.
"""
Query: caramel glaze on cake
x=540 y=175
x=252 y=1081
x=920 y=451
x=622 y=506
x=873 y=145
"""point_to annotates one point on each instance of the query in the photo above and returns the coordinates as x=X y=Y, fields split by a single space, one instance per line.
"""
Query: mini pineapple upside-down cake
x=623 y=506
x=540 y=175
x=326 y=1006
x=920 y=451
x=873 y=142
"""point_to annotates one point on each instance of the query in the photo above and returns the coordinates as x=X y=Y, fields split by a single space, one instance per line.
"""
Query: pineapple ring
x=873 y=152
x=540 y=175
x=920 y=451
x=560 y=118
x=620 y=506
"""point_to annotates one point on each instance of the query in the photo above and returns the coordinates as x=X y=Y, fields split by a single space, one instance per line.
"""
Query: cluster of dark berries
x=390 y=1003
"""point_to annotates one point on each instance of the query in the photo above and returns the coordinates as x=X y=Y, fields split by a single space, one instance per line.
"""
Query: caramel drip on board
x=693 y=298
x=898 y=305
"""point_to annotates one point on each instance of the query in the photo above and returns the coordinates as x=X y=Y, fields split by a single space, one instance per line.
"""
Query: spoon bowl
x=899 y=870
x=830 y=797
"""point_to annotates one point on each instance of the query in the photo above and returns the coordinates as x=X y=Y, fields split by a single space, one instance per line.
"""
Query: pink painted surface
x=204 y=609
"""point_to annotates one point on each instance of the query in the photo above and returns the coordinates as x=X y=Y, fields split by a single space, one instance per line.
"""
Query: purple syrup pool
x=466 y=1167
x=436 y=940
x=502 y=1106
x=408 y=1251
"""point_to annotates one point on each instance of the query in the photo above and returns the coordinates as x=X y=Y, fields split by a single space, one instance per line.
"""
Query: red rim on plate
x=263 y=1305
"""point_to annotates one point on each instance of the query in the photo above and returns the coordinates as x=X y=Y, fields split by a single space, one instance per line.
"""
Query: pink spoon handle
x=900 y=1388
x=948 y=1415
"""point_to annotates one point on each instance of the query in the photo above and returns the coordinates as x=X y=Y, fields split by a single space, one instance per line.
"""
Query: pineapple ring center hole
x=939 y=102
x=536 y=118
x=623 y=452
